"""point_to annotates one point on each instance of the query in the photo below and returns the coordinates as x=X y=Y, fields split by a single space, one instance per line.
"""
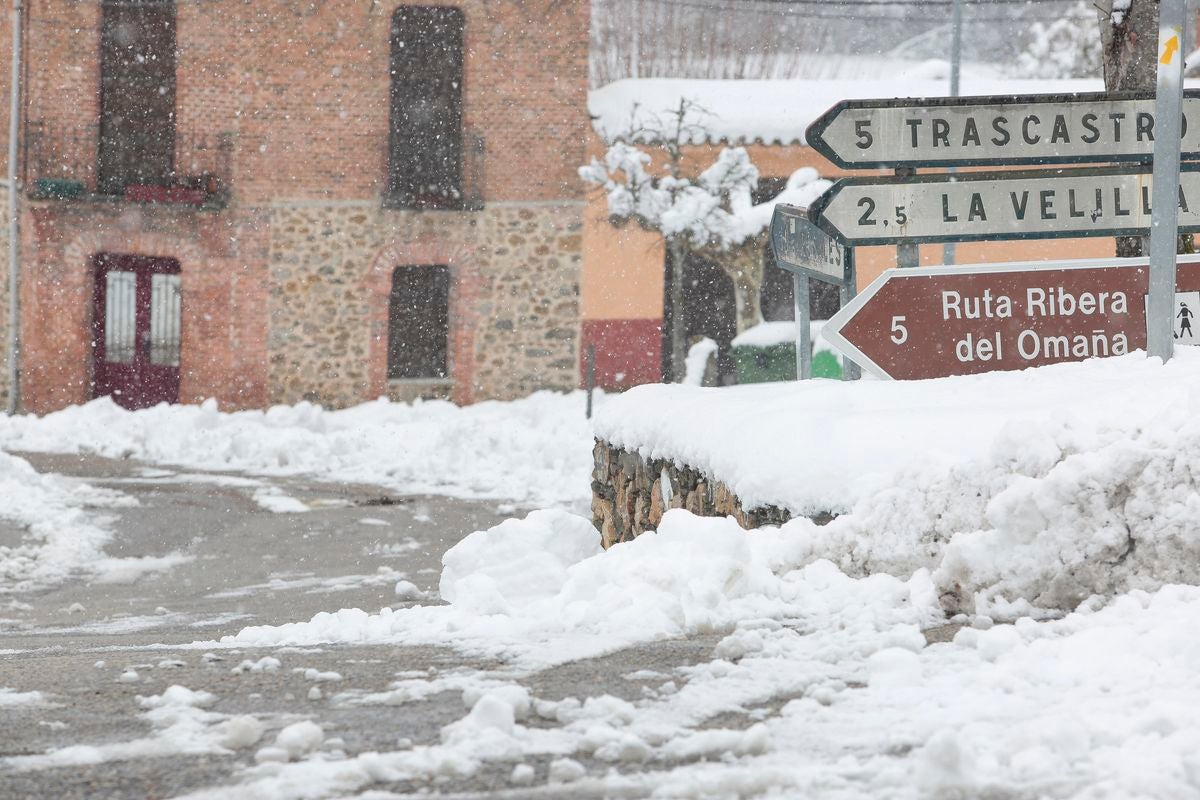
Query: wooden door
x=136 y=330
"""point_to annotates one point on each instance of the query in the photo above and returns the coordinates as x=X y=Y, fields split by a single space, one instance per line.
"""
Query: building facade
x=282 y=200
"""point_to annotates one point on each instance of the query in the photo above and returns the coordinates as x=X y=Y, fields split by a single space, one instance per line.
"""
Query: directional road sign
x=938 y=321
x=1043 y=204
x=802 y=247
x=1017 y=129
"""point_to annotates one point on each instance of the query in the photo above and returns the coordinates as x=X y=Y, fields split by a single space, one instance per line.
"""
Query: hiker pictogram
x=1185 y=321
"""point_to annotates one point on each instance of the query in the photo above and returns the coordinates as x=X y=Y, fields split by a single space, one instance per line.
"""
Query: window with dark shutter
x=137 y=94
x=419 y=323
x=426 y=142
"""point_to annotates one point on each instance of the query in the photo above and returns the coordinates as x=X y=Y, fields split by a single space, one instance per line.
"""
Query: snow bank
x=1095 y=705
x=57 y=534
x=853 y=703
x=827 y=445
x=1039 y=487
x=541 y=592
x=535 y=450
x=851 y=700
x=769 y=334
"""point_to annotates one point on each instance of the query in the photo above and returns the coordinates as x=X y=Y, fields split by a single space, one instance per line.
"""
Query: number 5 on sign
x=899 y=332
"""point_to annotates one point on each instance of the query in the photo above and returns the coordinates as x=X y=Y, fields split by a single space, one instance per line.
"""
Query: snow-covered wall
x=1040 y=487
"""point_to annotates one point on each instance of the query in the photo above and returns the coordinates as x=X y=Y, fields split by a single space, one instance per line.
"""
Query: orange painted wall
x=623 y=268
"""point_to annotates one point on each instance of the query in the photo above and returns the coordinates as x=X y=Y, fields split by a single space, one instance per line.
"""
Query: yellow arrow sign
x=1169 y=50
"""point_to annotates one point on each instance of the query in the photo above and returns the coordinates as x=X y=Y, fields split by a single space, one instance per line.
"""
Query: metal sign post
x=807 y=252
x=803 y=327
x=908 y=252
x=850 y=370
x=994 y=206
x=1165 y=214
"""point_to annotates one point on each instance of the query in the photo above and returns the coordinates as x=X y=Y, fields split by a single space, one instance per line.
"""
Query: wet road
x=93 y=649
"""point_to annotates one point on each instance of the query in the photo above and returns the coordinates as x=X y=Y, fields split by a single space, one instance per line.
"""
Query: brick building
x=278 y=200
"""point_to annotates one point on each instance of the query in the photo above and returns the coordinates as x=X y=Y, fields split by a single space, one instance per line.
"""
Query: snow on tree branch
x=713 y=209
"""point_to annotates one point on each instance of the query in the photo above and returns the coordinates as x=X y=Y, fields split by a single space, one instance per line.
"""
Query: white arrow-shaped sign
x=998 y=205
x=983 y=131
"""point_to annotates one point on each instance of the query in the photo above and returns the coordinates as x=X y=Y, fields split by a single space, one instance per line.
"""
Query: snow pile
x=1095 y=705
x=57 y=535
x=1040 y=487
x=535 y=450
x=540 y=591
x=181 y=725
x=696 y=364
x=847 y=700
x=769 y=334
x=516 y=562
x=840 y=692
x=11 y=698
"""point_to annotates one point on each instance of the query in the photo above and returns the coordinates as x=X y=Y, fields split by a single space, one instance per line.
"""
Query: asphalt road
x=253 y=566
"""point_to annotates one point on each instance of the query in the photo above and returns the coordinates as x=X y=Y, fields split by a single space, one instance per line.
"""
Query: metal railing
x=67 y=162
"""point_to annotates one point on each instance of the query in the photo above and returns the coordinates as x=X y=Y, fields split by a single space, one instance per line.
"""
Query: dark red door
x=136 y=330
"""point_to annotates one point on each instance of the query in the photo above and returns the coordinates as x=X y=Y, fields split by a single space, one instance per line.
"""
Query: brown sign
x=939 y=321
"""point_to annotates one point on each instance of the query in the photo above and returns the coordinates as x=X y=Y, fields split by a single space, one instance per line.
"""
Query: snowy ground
x=698 y=661
x=532 y=451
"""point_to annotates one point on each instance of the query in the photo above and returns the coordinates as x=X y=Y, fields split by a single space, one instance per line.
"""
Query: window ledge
x=420 y=381
x=392 y=204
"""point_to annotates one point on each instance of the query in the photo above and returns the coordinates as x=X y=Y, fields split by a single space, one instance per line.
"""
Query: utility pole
x=14 y=230
x=1164 y=209
x=955 y=80
x=635 y=22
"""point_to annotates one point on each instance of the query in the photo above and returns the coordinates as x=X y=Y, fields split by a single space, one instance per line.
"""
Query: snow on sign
x=800 y=246
x=940 y=321
x=979 y=131
x=1040 y=204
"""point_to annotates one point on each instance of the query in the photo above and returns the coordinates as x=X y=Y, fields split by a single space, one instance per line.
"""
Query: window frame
x=408 y=155
x=439 y=286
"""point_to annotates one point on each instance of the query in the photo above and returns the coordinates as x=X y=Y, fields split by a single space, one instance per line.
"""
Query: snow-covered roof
x=778 y=111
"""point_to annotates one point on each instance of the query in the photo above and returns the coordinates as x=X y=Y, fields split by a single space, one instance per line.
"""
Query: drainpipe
x=14 y=271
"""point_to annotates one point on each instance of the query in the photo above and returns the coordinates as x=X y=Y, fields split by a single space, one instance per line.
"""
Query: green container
x=778 y=363
x=826 y=365
x=57 y=189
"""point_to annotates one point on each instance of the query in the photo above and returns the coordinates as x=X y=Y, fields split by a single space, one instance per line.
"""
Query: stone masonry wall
x=628 y=496
x=514 y=316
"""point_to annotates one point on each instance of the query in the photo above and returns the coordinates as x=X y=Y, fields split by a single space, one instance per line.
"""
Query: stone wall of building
x=514 y=316
x=631 y=493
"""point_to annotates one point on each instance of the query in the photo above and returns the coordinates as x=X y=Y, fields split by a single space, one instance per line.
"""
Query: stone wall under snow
x=630 y=494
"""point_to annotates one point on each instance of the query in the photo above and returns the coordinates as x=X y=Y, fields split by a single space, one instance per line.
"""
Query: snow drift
x=52 y=534
x=1037 y=488
x=535 y=450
